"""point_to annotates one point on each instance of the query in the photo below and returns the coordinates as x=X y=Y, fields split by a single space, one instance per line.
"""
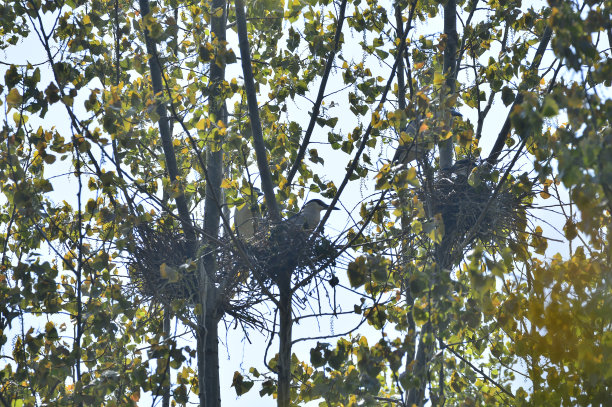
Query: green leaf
x=14 y=99
x=507 y=96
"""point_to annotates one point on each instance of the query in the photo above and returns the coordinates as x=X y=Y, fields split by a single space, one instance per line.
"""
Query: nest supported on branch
x=462 y=205
x=162 y=269
x=278 y=250
x=160 y=264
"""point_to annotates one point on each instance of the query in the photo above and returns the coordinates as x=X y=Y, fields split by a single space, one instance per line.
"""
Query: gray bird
x=412 y=150
x=246 y=216
x=310 y=215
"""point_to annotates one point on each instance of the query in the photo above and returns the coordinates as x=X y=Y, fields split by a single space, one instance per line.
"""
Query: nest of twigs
x=462 y=206
x=162 y=269
x=277 y=251
x=160 y=265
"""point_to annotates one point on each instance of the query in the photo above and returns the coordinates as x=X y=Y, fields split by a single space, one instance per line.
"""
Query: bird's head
x=316 y=205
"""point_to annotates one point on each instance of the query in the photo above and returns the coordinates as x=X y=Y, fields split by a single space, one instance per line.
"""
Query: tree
x=134 y=130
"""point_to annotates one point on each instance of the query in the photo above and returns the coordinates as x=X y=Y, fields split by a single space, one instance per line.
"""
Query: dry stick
x=359 y=233
x=505 y=130
x=474 y=3
x=366 y=135
x=472 y=231
x=317 y=105
x=258 y=141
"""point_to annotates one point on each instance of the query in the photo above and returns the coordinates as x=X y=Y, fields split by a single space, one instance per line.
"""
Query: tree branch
x=499 y=386
x=258 y=141
x=366 y=135
x=504 y=133
x=164 y=128
x=317 y=105
x=450 y=56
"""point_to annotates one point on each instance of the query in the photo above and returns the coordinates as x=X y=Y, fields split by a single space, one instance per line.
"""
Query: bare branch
x=258 y=142
x=317 y=105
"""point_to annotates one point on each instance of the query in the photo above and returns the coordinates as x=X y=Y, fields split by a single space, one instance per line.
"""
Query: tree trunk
x=164 y=128
x=211 y=374
x=450 y=55
x=166 y=388
x=284 y=351
x=258 y=141
x=208 y=341
x=405 y=217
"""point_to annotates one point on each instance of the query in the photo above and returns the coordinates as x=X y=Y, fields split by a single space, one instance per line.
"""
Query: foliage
x=473 y=309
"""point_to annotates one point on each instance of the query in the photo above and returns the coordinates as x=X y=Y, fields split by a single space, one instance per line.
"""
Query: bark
x=164 y=128
x=258 y=141
x=450 y=55
x=416 y=395
x=211 y=374
x=208 y=341
x=405 y=218
x=284 y=336
x=426 y=344
x=166 y=388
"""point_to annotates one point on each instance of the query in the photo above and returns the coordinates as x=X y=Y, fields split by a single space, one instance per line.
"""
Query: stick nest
x=160 y=265
x=280 y=250
x=162 y=269
x=461 y=206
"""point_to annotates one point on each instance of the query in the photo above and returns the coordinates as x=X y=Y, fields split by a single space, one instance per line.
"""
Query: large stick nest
x=278 y=250
x=461 y=206
x=162 y=269
x=160 y=263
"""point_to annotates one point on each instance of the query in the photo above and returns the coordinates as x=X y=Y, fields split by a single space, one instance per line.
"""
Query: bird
x=310 y=215
x=412 y=150
x=246 y=216
x=463 y=167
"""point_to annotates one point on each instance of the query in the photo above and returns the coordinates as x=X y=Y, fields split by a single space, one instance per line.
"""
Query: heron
x=310 y=215
x=247 y=215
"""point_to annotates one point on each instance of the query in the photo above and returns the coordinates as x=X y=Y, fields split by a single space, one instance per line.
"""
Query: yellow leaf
x=13 y=98
x=176 y=142
x=419 y=65
x=376 y=122
x=201 y=125
x=218 y=12
x=86 y=20
x=135 y=396
x=226 y=184
x=412 y=177
x=438 y=78
x=446 y=136
x=163 y=271
x=544 y=195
